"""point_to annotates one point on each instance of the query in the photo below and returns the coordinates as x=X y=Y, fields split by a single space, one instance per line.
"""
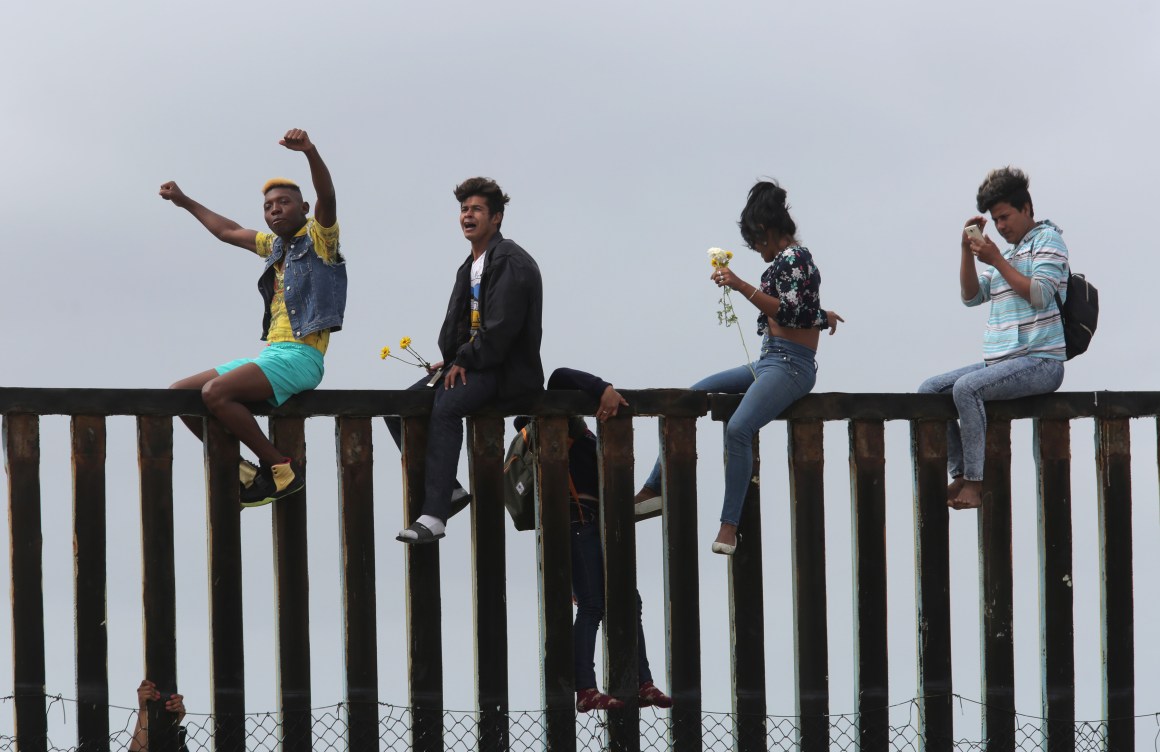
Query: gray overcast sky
x=627 y=136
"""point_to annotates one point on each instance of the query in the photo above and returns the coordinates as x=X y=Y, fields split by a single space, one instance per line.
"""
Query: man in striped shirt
x=1023 y=345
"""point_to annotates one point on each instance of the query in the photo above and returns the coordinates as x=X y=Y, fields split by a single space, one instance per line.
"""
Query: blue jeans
x=971 y=386
x=445 y=434
x=588 y=587
x=785 y=372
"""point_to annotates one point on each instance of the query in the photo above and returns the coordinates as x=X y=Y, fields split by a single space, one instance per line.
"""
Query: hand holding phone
x=974 y=232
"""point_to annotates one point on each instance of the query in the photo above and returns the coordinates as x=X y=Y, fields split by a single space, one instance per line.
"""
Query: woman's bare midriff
x=804 y=337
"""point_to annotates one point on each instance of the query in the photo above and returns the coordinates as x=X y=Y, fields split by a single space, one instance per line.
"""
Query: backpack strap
x=1059 y=303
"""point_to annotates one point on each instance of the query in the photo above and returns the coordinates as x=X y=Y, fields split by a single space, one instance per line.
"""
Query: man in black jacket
x=490 y=343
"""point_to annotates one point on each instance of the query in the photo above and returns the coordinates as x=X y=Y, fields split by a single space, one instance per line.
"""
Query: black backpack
x=1079 y=314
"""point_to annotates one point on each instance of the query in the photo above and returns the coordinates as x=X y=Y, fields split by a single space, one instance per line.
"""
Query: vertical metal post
x=357 y=510
x=489 y=585
x=227 y=660
x=808 y=544
x=424 y=613
x=994 y=520
x=932 y=597
x=89 y=587
x=554 y=551
x=1114 y=466
x=1056 y=609
x=622 y=612
x=292 y=587
x=747 y=612
x=868 y=520
x=682 y=591
x=158 y=581
x=22 y=461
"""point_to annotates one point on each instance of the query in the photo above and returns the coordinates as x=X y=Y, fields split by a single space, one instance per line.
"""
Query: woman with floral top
x=790 y=319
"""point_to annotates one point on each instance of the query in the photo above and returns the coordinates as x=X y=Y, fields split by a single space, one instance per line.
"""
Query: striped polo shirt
x=1017 y=327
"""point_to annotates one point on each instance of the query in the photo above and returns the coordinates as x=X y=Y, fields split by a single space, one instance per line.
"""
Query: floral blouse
x=794 y=279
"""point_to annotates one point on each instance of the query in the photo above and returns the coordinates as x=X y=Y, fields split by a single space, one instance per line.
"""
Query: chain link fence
x=527 y=729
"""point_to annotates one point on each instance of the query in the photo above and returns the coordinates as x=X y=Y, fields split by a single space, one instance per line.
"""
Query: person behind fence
x=1023 y=344
x=174 y=703
x=587 y=553
x=303 y=288
x=790 y=320
x=490 y=344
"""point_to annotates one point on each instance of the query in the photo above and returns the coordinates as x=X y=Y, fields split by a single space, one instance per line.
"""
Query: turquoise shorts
x=290 y=367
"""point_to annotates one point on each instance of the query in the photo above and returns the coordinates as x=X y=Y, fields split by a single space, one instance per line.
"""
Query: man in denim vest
x=303 y=288
x=490 y=343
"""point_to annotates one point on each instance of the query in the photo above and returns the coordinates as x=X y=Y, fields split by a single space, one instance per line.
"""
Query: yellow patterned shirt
x=326 y=246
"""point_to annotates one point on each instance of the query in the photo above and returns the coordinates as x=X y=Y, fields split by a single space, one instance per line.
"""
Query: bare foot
x=954 y=488
x=970 y=495
x=727 y=534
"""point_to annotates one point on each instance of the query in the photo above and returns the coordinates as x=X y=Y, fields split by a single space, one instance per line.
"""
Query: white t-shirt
x=476 y=283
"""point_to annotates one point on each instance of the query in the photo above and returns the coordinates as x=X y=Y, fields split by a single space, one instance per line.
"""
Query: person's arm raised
x=325 y=205
x=225 y=230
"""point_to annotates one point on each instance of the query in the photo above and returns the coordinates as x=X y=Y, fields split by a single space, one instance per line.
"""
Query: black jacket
x=511 y=304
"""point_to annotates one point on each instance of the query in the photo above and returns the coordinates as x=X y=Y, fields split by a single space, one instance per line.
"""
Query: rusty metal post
x=622 y=613
x=1056 y=609
x=998 y=642
x=292 y=589
x=747 y=619
x=158 y=582
x=868 y=519
x=554 y=552
x=357 y=541
x=424 y=611
x=682 y=590
x=928 y=451
x=22 y=461
x=808 y=552
x=1114 y=466
x=89 y=585
x=485 y=446
x=227 y=659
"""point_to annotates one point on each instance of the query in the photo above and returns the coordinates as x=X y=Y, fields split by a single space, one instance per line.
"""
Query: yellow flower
x=719 y=257
x=386 y=351
x=405 y=342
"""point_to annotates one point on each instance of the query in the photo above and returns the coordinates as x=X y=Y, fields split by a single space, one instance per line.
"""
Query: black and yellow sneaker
x=247 y=471
x=273 y=483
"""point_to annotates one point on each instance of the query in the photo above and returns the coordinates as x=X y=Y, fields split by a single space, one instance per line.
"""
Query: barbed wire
x=526 y=729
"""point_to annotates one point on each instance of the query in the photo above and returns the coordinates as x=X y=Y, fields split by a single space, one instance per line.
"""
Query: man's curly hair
x=488 y=190
x=1006 y=184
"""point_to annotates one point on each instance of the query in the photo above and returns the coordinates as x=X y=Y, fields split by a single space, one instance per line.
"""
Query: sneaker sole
x=648 y=509
x=271 y=499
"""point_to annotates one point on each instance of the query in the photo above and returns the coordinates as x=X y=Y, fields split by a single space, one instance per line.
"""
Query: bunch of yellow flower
x=405 y=345
x=726 y=316
x=719 y=257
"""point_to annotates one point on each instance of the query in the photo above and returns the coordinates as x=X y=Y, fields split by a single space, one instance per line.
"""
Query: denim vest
x=315 y=291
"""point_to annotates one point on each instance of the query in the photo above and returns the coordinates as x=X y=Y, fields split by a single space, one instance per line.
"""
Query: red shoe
x=650 y=695
x=592 y=698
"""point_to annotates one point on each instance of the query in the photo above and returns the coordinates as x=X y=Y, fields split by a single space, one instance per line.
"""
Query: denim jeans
x=445 y=434
x=588 y=587
x=971 y=386
x=786 y=372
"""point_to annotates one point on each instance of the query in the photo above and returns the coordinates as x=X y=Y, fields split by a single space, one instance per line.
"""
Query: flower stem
x=748 y=359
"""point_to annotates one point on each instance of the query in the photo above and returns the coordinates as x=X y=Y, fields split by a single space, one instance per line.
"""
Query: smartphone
x=973 y=232
x=435 y=377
